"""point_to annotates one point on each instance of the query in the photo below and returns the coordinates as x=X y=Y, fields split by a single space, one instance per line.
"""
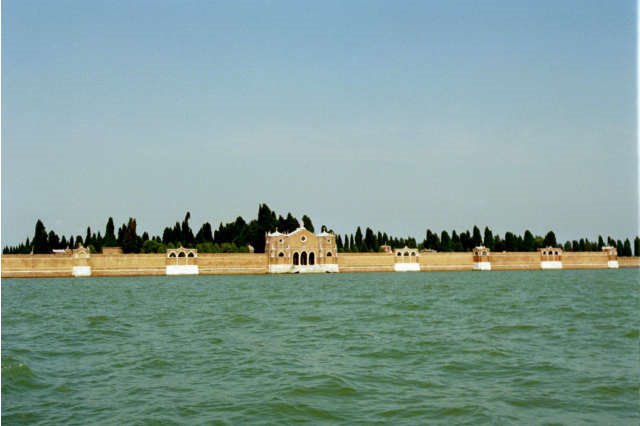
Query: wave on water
x=424 y=348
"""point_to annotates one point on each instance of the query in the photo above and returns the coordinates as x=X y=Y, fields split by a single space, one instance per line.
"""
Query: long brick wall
x=584 y=260
x=446 y=261
x=245 y=263
x=232 y=263
x=103 y=265
x=39 y=265
x=365 y=262
x=629 y=262
x=516 y=261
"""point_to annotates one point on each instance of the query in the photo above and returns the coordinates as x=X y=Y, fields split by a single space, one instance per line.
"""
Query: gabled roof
x=300 y=229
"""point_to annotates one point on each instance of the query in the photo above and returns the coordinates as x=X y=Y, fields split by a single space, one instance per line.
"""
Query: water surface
x=526 y=347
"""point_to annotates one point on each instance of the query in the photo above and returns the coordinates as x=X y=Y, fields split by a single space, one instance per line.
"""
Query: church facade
x=301 y=251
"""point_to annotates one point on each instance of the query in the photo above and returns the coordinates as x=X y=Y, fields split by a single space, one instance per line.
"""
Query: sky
x=397 y=115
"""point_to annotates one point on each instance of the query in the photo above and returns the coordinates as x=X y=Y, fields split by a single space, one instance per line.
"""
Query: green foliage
x=205 y=235
x=306 y=222
x=153 y=246
x=209 y=247
x=236 y=235
x=131 y=242
x=488 y=238
x=109 y=235
x=40 y=239
x=550 y=239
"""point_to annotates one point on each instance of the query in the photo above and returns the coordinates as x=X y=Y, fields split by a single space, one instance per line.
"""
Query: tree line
x=238 y=235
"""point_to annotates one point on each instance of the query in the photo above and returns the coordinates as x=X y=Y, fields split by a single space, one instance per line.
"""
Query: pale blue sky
x=399 y=115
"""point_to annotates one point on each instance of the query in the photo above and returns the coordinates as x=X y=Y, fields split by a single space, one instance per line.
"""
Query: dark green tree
x=205 y=234
x=488 y=238
x=186 y=234
x=109 y=234
x=306 y=222
x=528 y=242
x=456 y=244
x=636 y=246
x=131 y=243
x=550 y=239
x=445 y=241
x=510 y=241
x=370 y=240
x=88 y=240
x=291 y=223
x=54 y=240
x=476 y=237
x=358 y=240
x=40 y=239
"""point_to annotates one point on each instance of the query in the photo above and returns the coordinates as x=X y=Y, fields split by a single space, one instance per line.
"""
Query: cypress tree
x=186 y=234
x=291 y=223
x=476 y=237
x=636 y=246
x=445 y=241
x=306 y=222
x=488 y=238
x=131 y=243
x=550 y=239
x=204 y=235
x=87 y=239
x=456 y=244
x=627 y=248
x=54 y=240
x=358 y=240
x=109 y=235
x=528 y=242
x=40 y=239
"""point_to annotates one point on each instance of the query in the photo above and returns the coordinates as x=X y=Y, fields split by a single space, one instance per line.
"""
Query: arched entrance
x=312 y=258
x=296 y=258
x=303 y=258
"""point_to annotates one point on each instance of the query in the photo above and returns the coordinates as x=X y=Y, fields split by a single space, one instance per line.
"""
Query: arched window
x=281 y=254
x=172 y=255
x=399 y=254
x=296 y=258
x=190 y=254
x=181 y=254
x=413 y=253
x=312 y=258
x=406 y=253
x=303 y=258
x=556 y=253
x=329 y=254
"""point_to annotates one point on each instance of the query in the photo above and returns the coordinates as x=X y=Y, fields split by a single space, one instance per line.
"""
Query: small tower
x=406 y=259
x=612 y=257
x=81 y=267
x=481 y=260
x=550 y=258
x=182 y=261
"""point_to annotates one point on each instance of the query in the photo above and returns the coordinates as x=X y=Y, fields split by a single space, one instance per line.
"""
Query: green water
x=556 y=347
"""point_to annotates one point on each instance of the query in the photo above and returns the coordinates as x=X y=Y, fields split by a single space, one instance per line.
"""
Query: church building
x=301 y=251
